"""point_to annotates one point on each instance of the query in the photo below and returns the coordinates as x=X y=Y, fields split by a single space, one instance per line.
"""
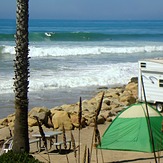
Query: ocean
x=72 y=59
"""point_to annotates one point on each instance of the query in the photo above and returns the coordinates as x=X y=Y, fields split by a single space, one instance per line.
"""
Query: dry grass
x=74 y=146
x=79 y=121
x=43 y=137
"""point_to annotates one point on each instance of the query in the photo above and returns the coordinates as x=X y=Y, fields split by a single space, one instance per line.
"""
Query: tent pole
x=149 y=124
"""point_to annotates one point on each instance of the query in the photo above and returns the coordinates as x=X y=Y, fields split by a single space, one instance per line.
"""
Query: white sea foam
x=68 y=76
x=6 y=85
x=56 y=50
x=95 y=75
x=91 y=76
x=86 y=50
x=8 y=49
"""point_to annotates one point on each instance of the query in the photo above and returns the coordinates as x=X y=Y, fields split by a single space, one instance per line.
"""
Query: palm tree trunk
x=21 y=64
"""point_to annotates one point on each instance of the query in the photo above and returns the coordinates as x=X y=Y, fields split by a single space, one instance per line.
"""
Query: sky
x=87 y=9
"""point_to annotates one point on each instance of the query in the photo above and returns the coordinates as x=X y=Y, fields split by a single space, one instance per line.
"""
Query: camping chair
x=7 y=146
x=9 y=143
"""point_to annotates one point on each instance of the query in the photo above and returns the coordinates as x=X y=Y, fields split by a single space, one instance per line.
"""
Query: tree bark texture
x=21 y=65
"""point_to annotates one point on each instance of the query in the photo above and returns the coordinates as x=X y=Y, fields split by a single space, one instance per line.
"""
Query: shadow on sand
x=134 y=160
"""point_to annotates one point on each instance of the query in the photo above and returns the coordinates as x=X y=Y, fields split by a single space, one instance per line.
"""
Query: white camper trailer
x=151 y=71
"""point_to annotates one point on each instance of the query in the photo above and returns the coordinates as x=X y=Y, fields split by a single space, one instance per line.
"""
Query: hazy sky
x=87 y=9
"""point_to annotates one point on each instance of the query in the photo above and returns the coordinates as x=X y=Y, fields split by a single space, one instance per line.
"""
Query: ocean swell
x=83 y=36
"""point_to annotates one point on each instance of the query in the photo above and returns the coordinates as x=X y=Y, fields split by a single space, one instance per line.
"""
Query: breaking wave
x=45 y=51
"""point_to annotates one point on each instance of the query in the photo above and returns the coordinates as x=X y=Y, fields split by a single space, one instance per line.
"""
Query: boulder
x=105 y=106
x=133 y=88
x=89 y=105
x=106 y=100
x=11 y=117
x=109 y=119
x=55 y=109
x=75 y=120
x=113 y=93
x=70 y=108
x=105 y=114
x=41 y=112
x=100 y=120
x=4 y=122
x=134 y=79
x=5 y=133
x=32 y=122
x=62 y=118
x=11 y=125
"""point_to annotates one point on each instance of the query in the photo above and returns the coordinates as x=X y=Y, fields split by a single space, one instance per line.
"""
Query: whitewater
x=69 y=59
x=69 y=66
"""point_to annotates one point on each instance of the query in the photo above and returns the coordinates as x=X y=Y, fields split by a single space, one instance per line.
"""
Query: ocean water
x=70 y=59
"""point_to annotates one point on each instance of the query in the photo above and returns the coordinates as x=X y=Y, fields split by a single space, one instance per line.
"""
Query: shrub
x=11 y=157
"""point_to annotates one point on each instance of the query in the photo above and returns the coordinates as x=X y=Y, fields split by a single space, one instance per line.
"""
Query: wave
x=78 y=77
x=55 y=51
x=7 y=37
x=81 y=36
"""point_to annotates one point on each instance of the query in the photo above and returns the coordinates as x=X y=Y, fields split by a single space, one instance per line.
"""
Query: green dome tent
x=130 y=130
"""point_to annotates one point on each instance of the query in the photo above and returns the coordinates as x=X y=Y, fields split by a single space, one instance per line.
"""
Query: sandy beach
x=109 y=156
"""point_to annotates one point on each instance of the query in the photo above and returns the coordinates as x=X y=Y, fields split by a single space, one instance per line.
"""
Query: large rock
x=105 y=106
x=5 y=133
x=11 y=118
x=68 y=107
x=75 y=120
x=127 y=99
x=89 y=105
x=113 y=93
x=100 y=120
x=4 y=122
x=55 y=109
x=32 y=122
x=41 y=112
x=62 y=118
x=11 y=125
x=133 y=88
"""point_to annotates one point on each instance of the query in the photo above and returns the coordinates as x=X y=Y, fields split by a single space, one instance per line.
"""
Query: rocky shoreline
x=115 y=99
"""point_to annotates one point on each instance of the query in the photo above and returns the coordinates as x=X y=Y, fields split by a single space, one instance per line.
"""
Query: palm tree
x=21 y=64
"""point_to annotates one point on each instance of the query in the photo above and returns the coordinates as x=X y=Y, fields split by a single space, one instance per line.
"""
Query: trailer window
x=160 y=82
x=142 y=64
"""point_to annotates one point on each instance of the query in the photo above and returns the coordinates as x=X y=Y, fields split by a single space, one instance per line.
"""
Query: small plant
x=42 y=136
x=96 y=133
x=12 y=157
x=64 y=141
x=74 y=146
